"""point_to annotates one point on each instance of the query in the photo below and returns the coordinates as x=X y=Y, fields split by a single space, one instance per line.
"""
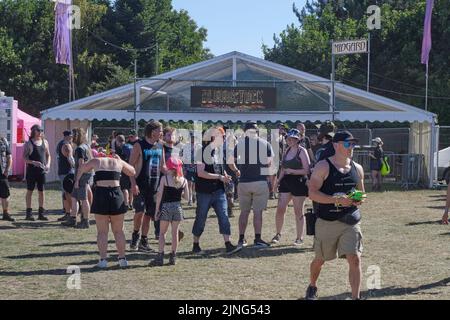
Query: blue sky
x=240 y=25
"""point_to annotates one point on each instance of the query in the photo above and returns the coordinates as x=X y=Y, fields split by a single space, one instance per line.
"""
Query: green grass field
x=402 y=237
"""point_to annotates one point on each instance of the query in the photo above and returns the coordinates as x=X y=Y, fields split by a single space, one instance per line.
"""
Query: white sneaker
x=298 y=242
x=123 y=263
x=102 y=264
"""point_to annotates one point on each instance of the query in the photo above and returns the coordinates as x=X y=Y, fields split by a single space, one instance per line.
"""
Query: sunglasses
x=349 y=144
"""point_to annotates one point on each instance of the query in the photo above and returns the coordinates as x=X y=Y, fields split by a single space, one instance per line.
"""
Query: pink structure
x=21 y=125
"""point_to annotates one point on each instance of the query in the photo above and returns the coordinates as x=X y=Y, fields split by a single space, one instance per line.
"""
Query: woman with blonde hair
x=168 y=204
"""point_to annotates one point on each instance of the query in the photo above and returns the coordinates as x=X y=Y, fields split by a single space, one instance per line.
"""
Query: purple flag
x=426 y=42
x=62 y=47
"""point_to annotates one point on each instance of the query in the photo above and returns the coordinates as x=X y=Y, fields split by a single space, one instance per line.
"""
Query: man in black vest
x=37 y=158
x=338 y=231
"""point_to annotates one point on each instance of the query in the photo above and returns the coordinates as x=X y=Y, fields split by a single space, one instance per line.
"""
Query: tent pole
x=135 y=98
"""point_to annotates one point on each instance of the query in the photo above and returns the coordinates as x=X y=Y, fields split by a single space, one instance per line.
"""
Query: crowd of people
x=153 y=173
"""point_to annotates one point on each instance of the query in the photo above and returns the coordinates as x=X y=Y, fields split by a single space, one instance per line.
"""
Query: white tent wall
x=54 y=133
x=421 y=141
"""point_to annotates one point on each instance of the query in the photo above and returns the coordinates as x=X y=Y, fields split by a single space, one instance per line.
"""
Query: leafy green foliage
x=27 y=64
x=396 y=48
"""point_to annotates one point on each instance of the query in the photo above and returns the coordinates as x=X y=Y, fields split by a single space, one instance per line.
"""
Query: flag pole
x=426 y=88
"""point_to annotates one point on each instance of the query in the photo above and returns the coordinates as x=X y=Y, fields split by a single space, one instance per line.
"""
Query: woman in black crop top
x=171 y=188
x=108 y=203
x=295 y=166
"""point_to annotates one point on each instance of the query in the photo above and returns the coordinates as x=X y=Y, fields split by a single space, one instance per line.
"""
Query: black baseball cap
x=250 y=125
x=36 y=127
x=344 y=136
x=67 y=133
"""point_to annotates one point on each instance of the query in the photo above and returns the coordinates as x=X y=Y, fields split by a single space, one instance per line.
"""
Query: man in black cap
x=66 y=163
x=337 y=231
x=37 y=158
x=325 y=136
x=132 y=137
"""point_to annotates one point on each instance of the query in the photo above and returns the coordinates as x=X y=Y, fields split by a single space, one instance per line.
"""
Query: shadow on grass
x=423 y=223
x=37 y=224
x=438 y=196
x=436 y=207
x=249 y=252
x=62 y=244
x=63 y=272
x=394 y=291
x=52 y=254
x=7 y=228
x=113 y=258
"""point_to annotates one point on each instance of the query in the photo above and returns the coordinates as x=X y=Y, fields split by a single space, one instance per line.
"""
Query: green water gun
x=357 y=195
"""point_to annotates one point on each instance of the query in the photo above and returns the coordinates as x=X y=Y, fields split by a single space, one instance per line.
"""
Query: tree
x=27 y=64
x=396 y=48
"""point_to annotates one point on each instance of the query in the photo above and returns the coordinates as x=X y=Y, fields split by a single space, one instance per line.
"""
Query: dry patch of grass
x=402 y=237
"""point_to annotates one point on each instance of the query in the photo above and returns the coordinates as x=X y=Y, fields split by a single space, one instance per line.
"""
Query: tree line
x=29 y=73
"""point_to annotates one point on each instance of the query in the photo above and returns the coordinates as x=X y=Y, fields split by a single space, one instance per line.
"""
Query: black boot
x=29 y=215
x=158 y=261
x=7 y=217
x=172 y=258
x=64 y=218
x=70 y=222
x=84 y=224
x=41 y=214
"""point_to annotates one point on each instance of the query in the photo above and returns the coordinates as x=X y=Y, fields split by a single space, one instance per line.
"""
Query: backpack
x=385 y=168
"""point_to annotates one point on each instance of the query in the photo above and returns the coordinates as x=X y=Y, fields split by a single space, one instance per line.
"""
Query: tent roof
x=26 y=117
x=303 y=96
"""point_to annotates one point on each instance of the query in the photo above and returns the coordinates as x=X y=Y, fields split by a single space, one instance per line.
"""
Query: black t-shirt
x=167 y=152
x=326 y=151
x=64 y=166
x=212 y=165
x=378 y=154
x=132 y=142
x=251 y=157
x=81 y=152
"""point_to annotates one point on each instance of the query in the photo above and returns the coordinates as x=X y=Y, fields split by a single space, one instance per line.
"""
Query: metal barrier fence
x=407 y=170
x=105 y=132
x=395 y=140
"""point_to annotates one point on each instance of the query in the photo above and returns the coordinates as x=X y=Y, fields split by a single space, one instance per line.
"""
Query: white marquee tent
x=300 y=97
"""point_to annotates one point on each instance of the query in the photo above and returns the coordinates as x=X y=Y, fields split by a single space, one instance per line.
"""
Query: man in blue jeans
x=209 y=185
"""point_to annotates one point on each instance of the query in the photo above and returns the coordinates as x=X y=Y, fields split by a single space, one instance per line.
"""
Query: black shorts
x=145 y=201
x=108 y=201
x=375 y=165
x=35 y=179
x=4 y=187
x=189 y=173
x=295 y=185
x=125 y=182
